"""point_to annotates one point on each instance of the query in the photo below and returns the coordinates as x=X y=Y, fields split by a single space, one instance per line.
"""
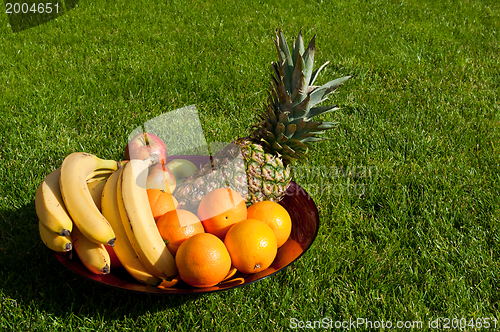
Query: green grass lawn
x=408 y=186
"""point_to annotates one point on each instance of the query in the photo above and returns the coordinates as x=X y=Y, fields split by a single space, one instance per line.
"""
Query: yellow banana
x=50 y=206
x=122 y=248
x=75 y=171
x=53 y=240
x=96 y=187
x=139 y=223
x=93 y=255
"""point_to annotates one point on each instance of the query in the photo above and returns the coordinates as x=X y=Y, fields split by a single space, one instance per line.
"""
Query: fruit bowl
x=305 y=225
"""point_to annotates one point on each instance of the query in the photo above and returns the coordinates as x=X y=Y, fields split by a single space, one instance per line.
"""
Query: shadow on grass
x=32 y=277
x=29 y=13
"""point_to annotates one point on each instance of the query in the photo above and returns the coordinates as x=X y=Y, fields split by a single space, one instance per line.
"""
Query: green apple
x=181 y=168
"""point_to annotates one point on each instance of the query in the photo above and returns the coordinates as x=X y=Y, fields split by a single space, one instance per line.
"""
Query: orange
x=275 y=216
x=203 y=260
x=160 y=202
x=220 y=209
x=176 y=226
x=252 y=245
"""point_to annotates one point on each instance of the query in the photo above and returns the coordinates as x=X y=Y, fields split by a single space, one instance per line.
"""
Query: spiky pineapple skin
x=268 y=178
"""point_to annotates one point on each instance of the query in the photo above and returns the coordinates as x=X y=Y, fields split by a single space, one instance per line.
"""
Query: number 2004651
x=35 y=8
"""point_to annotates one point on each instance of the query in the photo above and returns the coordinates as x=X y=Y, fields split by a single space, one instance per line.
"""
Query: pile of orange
x=222 y=237
x=220 y=209
x=177 y=226
x=161 y=202
x=203 y=260
x=252 y=245
x=275 y=216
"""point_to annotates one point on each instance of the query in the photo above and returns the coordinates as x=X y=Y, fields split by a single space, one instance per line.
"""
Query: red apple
x=144 y=145
x=161 y=177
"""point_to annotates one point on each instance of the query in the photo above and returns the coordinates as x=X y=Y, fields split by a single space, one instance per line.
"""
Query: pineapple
x=258 y=166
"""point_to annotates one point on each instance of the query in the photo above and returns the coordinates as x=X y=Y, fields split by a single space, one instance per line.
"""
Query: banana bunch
x=89 y=203
x=67 y=204
x=76 y=169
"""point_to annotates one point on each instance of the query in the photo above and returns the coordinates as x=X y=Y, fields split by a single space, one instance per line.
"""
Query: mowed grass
x=407 y=185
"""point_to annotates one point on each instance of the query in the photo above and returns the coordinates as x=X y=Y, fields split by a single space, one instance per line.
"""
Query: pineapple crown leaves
x=286 y=127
